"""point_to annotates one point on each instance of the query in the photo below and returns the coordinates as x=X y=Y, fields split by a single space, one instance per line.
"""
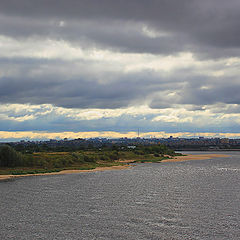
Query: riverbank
x=5 y=177
x=190 y=157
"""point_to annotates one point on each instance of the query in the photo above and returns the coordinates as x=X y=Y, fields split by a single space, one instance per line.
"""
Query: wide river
x=183 y=200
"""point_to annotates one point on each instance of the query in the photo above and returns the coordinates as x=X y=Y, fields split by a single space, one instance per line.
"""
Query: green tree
x=9 y=157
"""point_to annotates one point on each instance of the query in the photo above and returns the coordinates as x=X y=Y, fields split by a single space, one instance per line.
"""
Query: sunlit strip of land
x=9 y=176
x=37 y=135
x=194 y=157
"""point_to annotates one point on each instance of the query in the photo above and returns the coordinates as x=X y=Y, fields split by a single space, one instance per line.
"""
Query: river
x=182 y=200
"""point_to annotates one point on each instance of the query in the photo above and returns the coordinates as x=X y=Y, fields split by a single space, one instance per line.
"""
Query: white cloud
x=180 y=114
x=152 y=33
x=38 y=48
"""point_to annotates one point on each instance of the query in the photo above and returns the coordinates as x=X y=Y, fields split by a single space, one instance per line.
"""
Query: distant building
x=131 y=147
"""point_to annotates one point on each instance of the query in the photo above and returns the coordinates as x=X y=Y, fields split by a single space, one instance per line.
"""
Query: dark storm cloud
x=199 y=90
x=72 y=94
x=218 y=91
x=116 y=35
x=209 y=28
x=87 y=90
x=82 y=91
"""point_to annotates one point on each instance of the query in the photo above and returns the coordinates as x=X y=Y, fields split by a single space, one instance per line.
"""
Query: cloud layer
x=89 y=65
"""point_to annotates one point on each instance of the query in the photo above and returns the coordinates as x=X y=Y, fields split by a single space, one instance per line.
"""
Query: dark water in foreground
x=187 y=200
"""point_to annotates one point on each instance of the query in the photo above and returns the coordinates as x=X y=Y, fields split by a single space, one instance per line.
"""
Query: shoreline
x=191 y=157
x=97 y=169
x=188 y=157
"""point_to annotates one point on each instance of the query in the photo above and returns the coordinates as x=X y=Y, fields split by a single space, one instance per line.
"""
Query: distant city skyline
x=33 y=136
x=108 y=68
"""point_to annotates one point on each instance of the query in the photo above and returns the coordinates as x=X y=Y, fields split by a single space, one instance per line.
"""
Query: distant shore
x=194 y=157
x=5 y=177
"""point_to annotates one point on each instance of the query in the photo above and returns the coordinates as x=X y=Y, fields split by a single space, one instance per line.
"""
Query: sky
x=107 y=68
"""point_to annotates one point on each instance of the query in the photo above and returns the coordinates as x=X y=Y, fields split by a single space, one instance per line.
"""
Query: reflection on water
x=183 y=200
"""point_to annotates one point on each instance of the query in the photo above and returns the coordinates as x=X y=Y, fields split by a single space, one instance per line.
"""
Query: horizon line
x=44 y=135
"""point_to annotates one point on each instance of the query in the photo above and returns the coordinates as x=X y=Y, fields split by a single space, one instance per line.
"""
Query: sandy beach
x=194 y=157
x=4 y=177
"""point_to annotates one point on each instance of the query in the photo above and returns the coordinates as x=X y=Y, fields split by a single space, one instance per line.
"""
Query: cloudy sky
x=105 y=68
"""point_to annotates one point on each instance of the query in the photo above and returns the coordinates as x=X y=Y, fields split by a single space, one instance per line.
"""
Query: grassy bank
x=17 y=163
x=37 y=170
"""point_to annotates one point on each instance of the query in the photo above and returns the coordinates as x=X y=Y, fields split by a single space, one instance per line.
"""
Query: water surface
x=181 y=200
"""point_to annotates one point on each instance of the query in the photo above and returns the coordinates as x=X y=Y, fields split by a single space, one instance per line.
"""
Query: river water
x=184 y=200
